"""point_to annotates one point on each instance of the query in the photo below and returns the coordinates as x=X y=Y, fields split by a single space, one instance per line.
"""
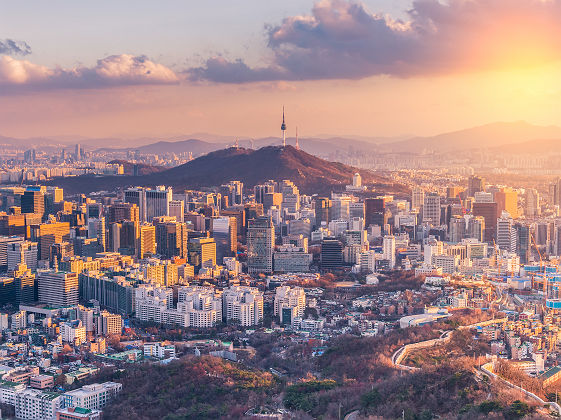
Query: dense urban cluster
x=109 y=281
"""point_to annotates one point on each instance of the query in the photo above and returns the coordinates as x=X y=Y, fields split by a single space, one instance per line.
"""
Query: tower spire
x=283 y=129
x=297 y=145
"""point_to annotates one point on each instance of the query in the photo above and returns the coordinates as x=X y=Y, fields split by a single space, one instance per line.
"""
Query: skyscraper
x=33 y=201
x=46 y=234
x=431 y=209
x=417 y=198
x=234 y=191
x=475 y=184
x=260 y=245
x=290 y=196
x=202 y=252
x=506 y=235
x=171 y=238
x=374 y=212
x=331 y=254
x=58 y=288
x=224 y=232
x=146 y=240
x=489 y=212
x=507 y=200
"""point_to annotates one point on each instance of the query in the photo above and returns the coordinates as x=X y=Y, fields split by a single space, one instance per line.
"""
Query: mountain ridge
x=310 y=173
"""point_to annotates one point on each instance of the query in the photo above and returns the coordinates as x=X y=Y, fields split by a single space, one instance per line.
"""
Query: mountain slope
x=482 y=137
x=311 y=174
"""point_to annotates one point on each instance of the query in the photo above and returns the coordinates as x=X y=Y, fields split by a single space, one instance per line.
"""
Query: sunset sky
x=373 y=68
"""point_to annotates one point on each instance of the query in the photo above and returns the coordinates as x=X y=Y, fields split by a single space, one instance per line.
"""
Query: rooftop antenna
x=283 y=129
x=297 y=145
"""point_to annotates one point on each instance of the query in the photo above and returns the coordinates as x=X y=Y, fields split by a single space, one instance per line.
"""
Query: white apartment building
x=244 y=304
x=289 y=297
x=159 y=350
x=92 y=397
x=73 y=332
x=32 y=404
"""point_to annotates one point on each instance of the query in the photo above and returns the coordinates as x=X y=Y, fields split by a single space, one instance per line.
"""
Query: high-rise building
x=507 y=200
x=431 y=209
x=234 y=191
x=22 y=253
x=146 y=240
x=453 y=192
x=33 y=200
x=224 y=232
x=58 y=288
x=475 y=184
x=290 y=302
x=417 y=198
x=171 y=238
x=202 y=252
x=47 y=234
x=375 y=212
x=476 y=228
x=151 y=202
x=322 y=208
x=290 y=196
x=388 y=249
x=261 y=190
x=331 y=254
x=177 y=210
x=260 y=245
x=243 y=304
x=96 y=229
x=24 y=285
x=523 y=242
x=506 y=234
x=457 y=229
x=532 y=204
x=157 y=202
x=489 y=212
x=120 y=212
x=5 y=242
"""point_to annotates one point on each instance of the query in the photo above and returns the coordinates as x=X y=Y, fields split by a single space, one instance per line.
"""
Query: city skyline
x=371 y=68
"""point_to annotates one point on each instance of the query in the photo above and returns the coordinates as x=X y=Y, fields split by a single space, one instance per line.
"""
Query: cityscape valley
x=157 y=264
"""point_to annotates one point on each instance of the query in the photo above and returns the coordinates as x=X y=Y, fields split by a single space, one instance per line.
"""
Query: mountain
x=482 y=137
x=310 y=173
x=197 y=147
x=532 y=147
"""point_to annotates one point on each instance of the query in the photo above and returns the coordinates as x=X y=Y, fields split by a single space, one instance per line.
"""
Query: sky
x=369 y=68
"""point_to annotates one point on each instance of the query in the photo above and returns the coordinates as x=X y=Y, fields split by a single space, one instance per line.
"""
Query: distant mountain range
x=310 y=173
x=482 y=137
x=486 y=137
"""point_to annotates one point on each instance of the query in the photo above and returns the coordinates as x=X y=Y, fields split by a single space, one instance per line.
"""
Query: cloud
x=341 y=39
x=116 y=70
x=12 y=47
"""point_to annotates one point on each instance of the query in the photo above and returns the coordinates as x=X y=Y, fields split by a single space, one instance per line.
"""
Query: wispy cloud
x=12 y=47
x=342 y=39
x=116 y=70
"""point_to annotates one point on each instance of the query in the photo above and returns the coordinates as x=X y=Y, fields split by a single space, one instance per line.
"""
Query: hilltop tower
x=283 y=129
x=297 y=145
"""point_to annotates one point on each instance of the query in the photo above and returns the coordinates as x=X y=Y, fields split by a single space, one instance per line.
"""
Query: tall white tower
x=297 y=145
x=283 y=129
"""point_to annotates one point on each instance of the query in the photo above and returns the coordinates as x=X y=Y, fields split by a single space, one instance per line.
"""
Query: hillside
x=252 y=167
